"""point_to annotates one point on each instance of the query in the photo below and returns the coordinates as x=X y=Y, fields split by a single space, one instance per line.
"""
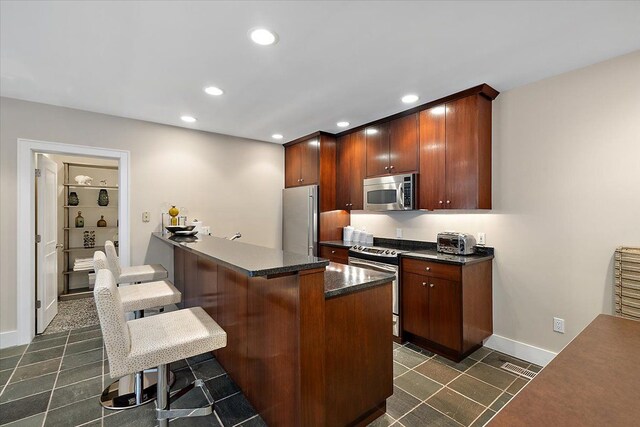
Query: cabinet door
x=292 y=164
x=403 y=144
x=445 y=313
x=432 y=158
x=309 y=163
x=377 y=141
x=415 y=304
x=462 y=153
x=343 y=173
x=358 y=166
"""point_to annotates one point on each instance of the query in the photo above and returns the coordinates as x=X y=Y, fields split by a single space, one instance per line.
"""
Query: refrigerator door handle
x=312 y=225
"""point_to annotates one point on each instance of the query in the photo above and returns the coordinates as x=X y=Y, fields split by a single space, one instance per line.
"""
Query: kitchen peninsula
x=309 y=342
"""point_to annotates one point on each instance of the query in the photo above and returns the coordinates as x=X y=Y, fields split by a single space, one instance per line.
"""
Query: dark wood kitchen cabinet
x=393 y=147
x=334 y=254
x=446 y=308
x=350 y=171
x=302 y=162
x=455 y=154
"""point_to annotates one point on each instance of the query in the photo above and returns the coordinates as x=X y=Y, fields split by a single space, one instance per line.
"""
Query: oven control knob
x=393 y=252
x=387 y=251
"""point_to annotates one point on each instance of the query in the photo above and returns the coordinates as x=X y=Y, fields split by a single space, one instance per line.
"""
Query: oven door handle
x=373 y=266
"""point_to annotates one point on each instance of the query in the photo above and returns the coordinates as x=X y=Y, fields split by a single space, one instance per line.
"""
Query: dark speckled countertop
x=433 y=255
x=341 y=279
x=337 y=243
x=245 y=258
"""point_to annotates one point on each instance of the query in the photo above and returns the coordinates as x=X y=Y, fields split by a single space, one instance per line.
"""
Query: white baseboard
x=9 y=339
x=518 y=349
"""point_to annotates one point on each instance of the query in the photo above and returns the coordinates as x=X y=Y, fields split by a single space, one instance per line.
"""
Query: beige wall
x=231 y=184
x=566 y=193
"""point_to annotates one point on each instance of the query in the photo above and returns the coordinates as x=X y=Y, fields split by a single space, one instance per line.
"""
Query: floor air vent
x=515 y=369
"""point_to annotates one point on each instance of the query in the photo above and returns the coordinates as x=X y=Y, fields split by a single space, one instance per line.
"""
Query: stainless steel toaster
x=451 y=242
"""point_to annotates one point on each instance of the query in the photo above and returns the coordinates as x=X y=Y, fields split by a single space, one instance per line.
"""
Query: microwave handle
x=400 y=195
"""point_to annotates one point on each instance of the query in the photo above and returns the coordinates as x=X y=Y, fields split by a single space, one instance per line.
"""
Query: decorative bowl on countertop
x=175 y=228
x=186 y=232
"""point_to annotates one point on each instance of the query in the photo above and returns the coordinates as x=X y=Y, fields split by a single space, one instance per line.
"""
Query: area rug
x=73 y=314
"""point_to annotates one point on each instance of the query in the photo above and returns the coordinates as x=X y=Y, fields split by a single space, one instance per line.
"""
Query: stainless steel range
x=380 y=259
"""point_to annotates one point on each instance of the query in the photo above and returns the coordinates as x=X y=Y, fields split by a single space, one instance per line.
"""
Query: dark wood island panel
x=299 y=358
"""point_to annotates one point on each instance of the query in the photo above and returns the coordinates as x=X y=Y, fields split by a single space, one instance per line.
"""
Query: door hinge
x=38 y=238
x=38 y=304
x=38 y=173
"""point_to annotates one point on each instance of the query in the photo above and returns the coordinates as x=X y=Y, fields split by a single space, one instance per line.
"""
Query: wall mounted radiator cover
x=627 y=282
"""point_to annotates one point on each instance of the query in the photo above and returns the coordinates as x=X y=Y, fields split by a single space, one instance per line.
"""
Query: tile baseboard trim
x=10 y=339
x=521 y=350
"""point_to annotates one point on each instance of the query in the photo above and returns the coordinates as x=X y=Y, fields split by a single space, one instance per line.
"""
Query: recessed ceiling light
x=371 y=131
x=343 y=124
x=212 y=90
x=410 y=99
x=277 y=136
x=438 y=111
x=263 y=37
x=188 y=119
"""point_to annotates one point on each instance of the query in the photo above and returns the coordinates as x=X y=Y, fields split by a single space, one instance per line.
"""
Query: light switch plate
x=399 y=233
x=145 y=217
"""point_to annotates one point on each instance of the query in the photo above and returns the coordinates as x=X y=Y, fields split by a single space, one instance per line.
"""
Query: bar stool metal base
x=121 y=394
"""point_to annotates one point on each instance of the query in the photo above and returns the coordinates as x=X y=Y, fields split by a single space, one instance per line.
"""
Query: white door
x=47 y=261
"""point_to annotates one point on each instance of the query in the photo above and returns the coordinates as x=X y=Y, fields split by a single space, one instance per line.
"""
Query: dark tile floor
x=56 y=381
x=432 y=390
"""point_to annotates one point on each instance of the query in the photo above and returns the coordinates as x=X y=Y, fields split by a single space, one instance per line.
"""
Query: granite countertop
x=433 y=255
x=341 y=279
x=337 y=243
x=251 y=260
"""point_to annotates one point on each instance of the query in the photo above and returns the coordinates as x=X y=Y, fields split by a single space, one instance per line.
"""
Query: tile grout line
x=4 y=387
x=102 y=383
x=46 y=412
x=72 y=354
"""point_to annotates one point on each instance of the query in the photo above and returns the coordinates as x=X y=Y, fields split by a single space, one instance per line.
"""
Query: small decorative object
x=83 y=180
x=73 y=199
x=102 y=222
x=103 y=197
x=174 y=215
x=89 y=239
x=79 y=220
x=103 y=182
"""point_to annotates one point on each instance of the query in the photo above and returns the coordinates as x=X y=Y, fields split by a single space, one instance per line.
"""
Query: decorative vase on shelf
x=89 y=239
x=73 y=199
x=174 y=215
x=103 y=197
x=79 y=220
x=102 y=222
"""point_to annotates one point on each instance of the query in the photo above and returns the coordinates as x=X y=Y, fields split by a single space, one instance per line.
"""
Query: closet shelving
x=91 y=211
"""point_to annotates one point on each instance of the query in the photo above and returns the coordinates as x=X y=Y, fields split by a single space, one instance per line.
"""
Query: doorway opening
x=84 y=207
x=62 y=252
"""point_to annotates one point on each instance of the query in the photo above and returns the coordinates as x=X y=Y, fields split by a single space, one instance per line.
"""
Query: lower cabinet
x=334 y=254
x=446 y=308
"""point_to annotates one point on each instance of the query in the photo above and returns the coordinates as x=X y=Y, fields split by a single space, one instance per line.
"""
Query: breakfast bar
x=309 y=341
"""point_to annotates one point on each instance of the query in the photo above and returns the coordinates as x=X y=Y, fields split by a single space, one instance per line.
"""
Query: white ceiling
x=336 y=60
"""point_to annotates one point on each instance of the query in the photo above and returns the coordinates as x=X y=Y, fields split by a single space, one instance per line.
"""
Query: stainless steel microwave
x=390 y=193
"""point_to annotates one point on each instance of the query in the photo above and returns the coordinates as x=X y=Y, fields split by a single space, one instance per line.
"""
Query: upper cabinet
x=455 y=154
x=302 y=163
x=392 y=147
x=350 y=171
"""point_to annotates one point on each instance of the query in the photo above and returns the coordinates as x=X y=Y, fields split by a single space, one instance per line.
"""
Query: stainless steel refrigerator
x=300 y=219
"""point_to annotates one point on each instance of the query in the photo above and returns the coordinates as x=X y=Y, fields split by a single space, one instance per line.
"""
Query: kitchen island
x=308 y=342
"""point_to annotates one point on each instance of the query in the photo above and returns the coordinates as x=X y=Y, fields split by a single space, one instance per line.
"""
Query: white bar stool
x=135 y=345
x=137 y=389
x=134 y=274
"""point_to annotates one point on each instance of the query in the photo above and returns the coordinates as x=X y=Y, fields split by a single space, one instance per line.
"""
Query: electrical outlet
x=145 y=217
x=482 y=238
x=558 y=325
x=399 y=233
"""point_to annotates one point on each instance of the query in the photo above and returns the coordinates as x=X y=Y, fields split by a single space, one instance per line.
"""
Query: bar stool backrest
x=112 y=257
x=115 y=331
x=100 y=262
